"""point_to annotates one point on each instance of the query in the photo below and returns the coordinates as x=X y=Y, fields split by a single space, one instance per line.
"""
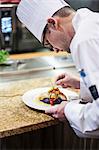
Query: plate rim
x=39 y=107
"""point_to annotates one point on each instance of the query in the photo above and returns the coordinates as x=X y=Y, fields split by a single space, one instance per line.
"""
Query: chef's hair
x=64 y=12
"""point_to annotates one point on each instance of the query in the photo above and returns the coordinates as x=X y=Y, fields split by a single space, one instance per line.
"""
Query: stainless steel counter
x=36 y=67
x=37 y=63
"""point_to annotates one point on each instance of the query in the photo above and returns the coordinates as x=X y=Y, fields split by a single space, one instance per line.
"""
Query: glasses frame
x=47 y=45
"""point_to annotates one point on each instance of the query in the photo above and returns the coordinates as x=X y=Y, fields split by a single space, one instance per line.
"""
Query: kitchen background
x=15 y=38
x=32 y=66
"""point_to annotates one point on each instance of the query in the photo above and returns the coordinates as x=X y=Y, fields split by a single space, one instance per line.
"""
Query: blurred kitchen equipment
x=91 y=4
x=41 y=66
x=14 y=37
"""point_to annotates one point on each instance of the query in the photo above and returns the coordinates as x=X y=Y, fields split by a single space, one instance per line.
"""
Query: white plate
x=30 y=97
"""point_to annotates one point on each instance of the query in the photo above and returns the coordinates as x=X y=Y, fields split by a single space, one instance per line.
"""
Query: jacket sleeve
x=85 y=117
x=84 y=92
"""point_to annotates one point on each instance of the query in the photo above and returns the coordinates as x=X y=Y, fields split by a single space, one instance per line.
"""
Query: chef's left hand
x=57 y=111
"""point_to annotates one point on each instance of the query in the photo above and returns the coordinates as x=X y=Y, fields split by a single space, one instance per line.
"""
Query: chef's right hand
x=65 y=80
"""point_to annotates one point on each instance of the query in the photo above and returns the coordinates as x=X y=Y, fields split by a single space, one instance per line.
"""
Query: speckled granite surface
x=15 y=116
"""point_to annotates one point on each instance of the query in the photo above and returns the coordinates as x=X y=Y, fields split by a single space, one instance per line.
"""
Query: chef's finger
x=55 y=115
x=64 y=86
x=60 y=82
x=51 y=110
x=60 y=77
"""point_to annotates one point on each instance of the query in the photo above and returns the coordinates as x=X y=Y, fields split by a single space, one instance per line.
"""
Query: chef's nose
x=57 y=49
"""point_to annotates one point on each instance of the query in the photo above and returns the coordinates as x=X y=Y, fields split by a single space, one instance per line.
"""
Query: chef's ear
x=52 y=22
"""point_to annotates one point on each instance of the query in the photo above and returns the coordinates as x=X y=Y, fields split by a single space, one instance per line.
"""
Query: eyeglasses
x=46 y=42
x=48 y=45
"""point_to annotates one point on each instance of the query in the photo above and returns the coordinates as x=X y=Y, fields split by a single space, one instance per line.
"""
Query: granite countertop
x=15 y=116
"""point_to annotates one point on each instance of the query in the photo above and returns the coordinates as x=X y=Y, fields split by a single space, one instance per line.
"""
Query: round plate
x=31 y=100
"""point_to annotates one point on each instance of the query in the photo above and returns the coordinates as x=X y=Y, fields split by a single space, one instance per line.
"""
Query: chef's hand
x=57 y=111
x=66 y=80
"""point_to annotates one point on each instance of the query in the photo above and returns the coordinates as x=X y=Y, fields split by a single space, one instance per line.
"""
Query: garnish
x=53 y=96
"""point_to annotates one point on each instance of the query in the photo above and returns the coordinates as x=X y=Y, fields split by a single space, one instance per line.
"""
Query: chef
x=55 y=24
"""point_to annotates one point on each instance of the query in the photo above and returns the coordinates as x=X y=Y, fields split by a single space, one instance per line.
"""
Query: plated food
x=52 y=96
x=33 y=98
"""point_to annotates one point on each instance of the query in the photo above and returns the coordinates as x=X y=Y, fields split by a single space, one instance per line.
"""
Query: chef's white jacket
x=84 y=118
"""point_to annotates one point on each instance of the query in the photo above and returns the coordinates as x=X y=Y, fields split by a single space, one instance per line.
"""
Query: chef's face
x=55 y=38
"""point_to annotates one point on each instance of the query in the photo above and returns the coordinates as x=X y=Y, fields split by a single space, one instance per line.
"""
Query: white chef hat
x=34 y=14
